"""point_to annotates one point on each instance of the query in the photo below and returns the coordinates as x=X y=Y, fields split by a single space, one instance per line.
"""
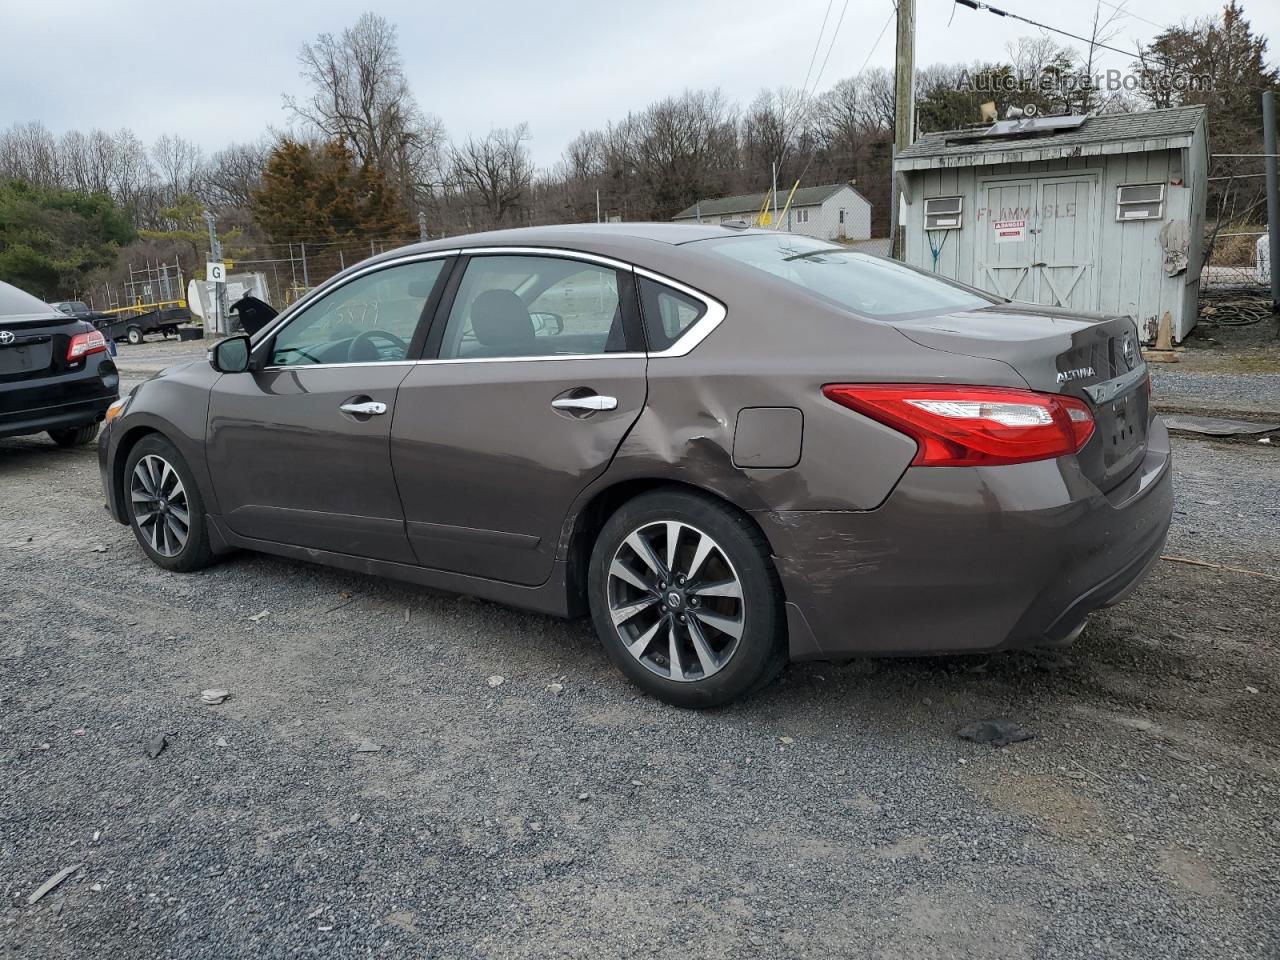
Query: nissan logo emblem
x=7 y=337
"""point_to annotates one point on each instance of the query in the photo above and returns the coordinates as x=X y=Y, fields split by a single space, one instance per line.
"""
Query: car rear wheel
x=165 y=509
x=685 y=599
x=75 y=437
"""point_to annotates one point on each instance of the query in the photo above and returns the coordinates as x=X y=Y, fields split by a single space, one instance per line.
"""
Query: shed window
x=943 y=213
x=1140 y=201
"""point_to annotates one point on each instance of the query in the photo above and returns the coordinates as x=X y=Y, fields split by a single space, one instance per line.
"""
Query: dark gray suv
x=730 y=447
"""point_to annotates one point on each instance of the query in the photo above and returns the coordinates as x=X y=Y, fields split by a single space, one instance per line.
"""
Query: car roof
x=613 y=239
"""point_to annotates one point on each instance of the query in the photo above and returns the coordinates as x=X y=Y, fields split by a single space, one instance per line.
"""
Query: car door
x=299 y=445
x=535 y=374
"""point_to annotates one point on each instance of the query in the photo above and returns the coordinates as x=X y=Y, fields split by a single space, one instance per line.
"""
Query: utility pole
x=1273 y=197
x=904 y=108
x=219 y=289
x=422 y=225
x=597 y=206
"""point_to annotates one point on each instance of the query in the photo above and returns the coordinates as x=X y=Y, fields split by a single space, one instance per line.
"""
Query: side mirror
x=230 y=355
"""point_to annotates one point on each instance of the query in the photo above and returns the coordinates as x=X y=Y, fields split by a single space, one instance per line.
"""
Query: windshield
x=872 y=286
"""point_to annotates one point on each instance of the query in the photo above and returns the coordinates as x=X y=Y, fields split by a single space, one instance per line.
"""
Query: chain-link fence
x=1237 y=259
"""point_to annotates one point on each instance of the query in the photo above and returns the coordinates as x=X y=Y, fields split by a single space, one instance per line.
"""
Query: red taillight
x=83 y=344
x=959 y=426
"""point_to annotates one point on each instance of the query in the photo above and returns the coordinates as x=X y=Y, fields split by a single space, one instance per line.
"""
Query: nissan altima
x=730 y=448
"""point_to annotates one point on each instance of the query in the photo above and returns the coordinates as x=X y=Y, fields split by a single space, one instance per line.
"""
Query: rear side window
x=668 y=313
x=531 y=306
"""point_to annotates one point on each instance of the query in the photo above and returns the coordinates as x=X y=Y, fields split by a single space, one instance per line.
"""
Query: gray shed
x=1091 y=213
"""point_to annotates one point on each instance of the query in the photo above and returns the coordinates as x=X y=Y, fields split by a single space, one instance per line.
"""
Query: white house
x=830 y=212
x=1088 y=212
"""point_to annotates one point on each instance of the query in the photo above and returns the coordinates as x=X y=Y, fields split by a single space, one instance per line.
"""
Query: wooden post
x=904 y=108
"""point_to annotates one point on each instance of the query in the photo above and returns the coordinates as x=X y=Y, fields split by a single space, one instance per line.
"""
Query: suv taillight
x=960 y=426
x=83 y=344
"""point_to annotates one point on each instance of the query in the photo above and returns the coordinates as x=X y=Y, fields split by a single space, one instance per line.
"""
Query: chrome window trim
x=684 y=344
x=541 y=358
x=555 y=253
x=711 y=319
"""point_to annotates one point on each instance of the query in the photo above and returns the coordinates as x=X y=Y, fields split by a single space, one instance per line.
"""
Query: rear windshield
x=871 y=286
x=16 y=303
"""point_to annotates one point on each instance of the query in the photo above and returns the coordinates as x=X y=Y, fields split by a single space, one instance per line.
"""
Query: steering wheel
x=363 y=344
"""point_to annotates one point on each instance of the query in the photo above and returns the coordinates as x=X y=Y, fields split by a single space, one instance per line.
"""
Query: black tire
x=75 y=436
x=135 y=335
x=195 y=553
x=760 y=651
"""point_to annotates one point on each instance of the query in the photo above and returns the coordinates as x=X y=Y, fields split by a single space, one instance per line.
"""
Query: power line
x=870 y=53
x=831 y=46
x=979 y=5
x=816 y=46
x=1129 y=13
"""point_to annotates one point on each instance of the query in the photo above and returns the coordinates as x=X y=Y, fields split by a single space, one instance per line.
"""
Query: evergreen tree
x=53 y=241
x=319 y=193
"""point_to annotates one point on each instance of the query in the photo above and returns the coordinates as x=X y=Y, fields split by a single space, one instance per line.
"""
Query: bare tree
x=497 y=167
x=360 y=96
x=29 y=152
x=179 y=167
x=233 y=174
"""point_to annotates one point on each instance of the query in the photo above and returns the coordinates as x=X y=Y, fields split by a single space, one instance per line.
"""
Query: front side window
x=871 y=286
x=530 y=306
x=371 y=319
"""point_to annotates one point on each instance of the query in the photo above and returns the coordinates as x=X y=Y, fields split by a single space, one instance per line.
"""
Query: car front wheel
x=165 y=509
x=685 y=599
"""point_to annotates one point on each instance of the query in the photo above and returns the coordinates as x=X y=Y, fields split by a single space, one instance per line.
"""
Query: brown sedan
x=731 y=447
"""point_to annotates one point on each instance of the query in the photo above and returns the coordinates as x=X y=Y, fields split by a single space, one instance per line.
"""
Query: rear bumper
x=970 y=559
x=60 y=401
x=63 y=416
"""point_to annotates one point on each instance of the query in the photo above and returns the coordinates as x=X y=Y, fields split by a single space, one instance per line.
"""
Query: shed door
x=1040 y=239
x=1066 y=243
x=1004 y=264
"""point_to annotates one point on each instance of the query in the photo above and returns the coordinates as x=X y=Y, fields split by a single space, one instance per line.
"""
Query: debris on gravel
x=999 y=732
x=214 y=696
x=157 y=745
x=52 y=883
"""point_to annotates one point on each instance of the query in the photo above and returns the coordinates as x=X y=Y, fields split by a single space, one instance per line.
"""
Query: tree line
x=362 y=160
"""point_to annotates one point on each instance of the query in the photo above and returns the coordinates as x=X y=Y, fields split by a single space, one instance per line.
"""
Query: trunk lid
x=1087 y=355
x=35 y=347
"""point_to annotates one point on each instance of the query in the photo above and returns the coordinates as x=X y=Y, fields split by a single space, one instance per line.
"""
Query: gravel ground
x=836 y=814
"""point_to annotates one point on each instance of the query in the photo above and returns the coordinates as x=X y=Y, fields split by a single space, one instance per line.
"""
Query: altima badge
x=1079 y=373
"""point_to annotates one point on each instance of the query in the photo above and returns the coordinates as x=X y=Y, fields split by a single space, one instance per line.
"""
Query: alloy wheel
x=676 y=601
x=159 y=503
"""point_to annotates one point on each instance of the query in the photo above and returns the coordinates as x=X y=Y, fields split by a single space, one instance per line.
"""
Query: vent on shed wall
x=1140 y=201
x=943 y=213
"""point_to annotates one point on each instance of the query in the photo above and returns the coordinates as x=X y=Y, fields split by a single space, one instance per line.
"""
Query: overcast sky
x=215 y=72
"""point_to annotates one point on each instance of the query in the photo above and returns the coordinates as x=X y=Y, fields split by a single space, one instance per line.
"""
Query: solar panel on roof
x=1030 y=126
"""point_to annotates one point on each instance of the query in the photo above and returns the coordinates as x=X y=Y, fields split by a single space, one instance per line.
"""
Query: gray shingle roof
x=752 y=202
x=1096 y=135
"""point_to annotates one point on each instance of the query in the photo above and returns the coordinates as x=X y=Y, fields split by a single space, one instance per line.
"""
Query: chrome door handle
x=370 y=408
x=593 y=402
